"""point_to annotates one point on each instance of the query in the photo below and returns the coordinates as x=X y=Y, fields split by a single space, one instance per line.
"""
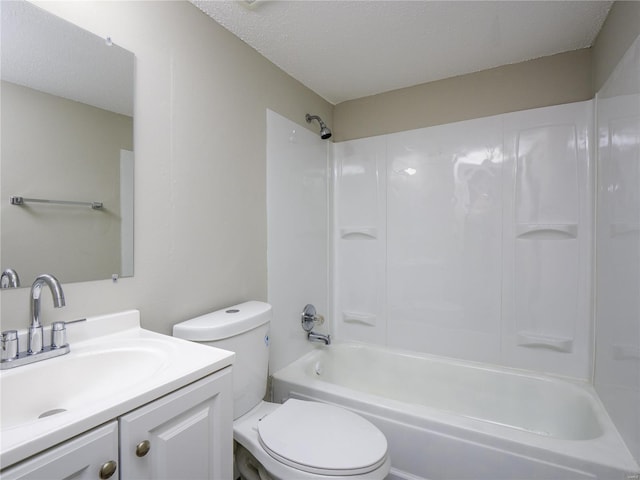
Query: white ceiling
x=350 y=49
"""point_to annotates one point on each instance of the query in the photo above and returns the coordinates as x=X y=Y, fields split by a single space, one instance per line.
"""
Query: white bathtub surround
x=360 y=239
x=474 y=240
x=547 y=240
x=617 y=371
x=297 y=238
x=503 y=423
x=471 y=239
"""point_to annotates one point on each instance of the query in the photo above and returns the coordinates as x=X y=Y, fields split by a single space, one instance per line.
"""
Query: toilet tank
x=243 y=329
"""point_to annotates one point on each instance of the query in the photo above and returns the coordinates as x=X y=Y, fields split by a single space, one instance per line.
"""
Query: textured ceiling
x=349 y=49
x=46 y=53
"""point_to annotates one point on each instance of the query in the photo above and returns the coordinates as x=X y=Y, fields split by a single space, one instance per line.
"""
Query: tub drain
x=48 y=413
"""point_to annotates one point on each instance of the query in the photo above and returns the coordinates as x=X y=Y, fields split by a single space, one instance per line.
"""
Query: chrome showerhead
x=325 y=132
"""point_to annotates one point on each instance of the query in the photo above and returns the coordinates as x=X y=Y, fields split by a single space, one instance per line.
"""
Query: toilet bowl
x=296 y=440
x=308 y=440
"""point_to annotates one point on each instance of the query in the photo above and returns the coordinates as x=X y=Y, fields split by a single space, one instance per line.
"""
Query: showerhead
x=324 y=130
x=325 y=133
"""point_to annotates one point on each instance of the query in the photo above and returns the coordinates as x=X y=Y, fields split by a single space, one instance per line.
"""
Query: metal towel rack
x=17 y=200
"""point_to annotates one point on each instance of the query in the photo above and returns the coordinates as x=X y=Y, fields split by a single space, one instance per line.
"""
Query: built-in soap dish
x=533 y=340
x=359 y=232
x=546 y=231
x=368 y=319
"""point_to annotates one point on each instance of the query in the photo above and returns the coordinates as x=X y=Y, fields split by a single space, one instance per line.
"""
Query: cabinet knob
x=143 y=448
x=108 y=469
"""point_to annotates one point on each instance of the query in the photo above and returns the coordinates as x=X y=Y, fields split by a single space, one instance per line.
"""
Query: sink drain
x=48 y=413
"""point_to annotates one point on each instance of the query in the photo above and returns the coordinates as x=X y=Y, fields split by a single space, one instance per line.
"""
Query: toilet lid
x=322 y=439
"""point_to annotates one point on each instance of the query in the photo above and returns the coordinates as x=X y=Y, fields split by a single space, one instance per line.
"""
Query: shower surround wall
x=617 y=371
x=471 y=240
x=297 y=233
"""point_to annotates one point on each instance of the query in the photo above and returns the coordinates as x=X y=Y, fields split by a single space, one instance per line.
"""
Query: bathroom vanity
x=125 y=403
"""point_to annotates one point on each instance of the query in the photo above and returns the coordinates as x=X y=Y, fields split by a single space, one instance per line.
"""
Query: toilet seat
x=322 y=439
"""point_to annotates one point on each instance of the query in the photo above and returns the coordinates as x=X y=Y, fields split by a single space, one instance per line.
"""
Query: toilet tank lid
x=224 y=323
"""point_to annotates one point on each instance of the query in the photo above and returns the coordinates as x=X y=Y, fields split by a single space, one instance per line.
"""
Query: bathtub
x=450 y=419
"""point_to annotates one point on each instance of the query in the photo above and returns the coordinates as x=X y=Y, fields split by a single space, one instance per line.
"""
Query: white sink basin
x=114 y=367
x=70 y=382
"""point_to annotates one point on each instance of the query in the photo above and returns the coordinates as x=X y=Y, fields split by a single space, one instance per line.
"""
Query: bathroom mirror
x=66 y=145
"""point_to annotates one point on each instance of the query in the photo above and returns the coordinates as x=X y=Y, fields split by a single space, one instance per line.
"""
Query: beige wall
x=54 y=148
x=552 y=80
x=620 y=29
x=200 y=178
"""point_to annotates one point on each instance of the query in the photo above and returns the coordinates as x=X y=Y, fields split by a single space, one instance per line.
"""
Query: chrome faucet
x=9 y=279
x=35 y=343
x=11 y=356
x=309 y=318
x=319 y=337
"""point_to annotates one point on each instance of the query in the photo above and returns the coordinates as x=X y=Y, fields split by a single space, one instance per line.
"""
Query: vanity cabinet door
x=92 y=455
x=187 y=434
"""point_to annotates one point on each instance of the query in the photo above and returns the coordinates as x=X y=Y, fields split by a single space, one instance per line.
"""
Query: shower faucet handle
x=310 y=318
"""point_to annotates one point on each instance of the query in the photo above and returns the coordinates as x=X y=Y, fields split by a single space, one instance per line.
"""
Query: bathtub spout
x=318 y=337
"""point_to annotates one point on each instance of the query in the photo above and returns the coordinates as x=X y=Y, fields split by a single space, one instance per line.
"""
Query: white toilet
x=297 y=440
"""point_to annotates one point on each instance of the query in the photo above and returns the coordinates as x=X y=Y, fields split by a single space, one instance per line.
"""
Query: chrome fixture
x=58 y=335
x=35 y=329
x=309 y=319
x=319 y=337
x=12 y=356
x=36 y=351
x=9 y=279
x=324 y=130
x=20 y=201
x=9 y=345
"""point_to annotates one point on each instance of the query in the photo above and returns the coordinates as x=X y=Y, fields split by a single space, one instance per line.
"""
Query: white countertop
x=149 y=366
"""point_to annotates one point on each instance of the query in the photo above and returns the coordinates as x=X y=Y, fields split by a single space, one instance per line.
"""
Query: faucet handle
x=310 y=317
x=58 y=335
x=10 y=345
